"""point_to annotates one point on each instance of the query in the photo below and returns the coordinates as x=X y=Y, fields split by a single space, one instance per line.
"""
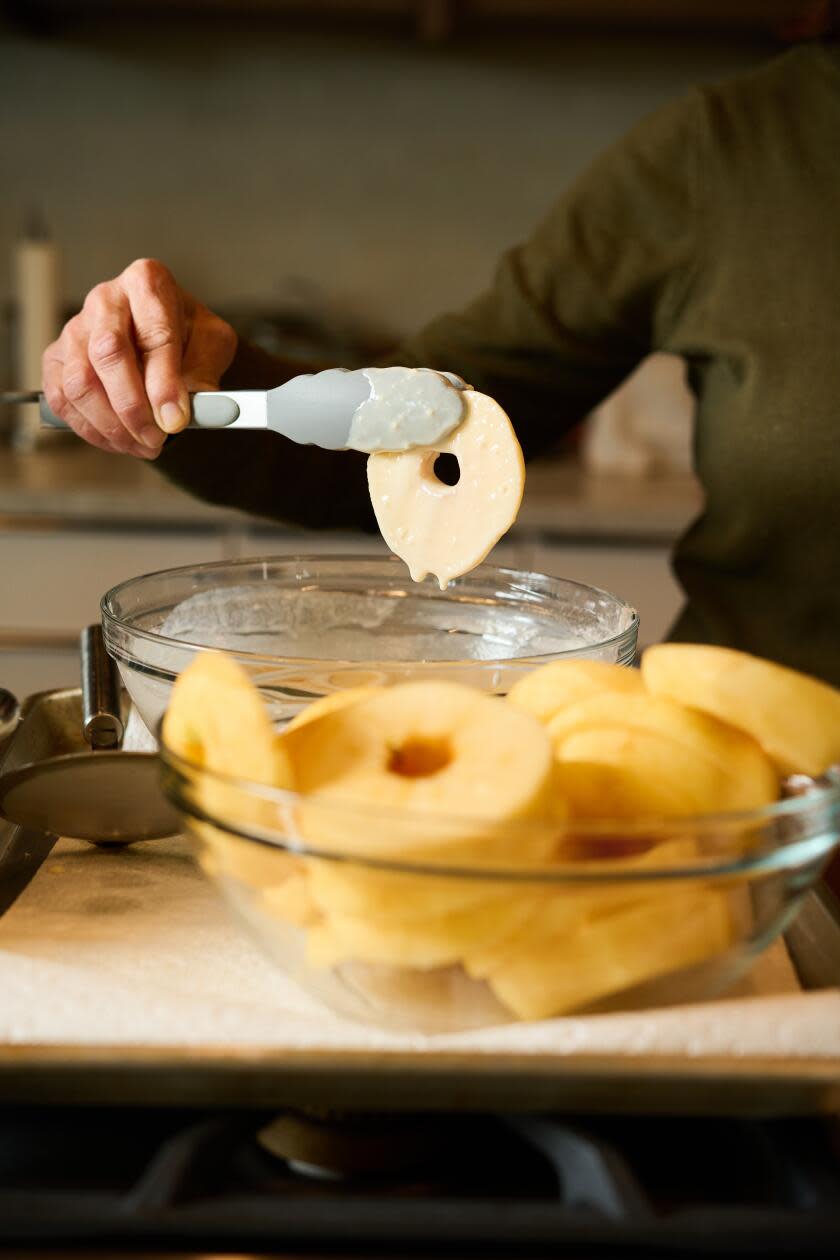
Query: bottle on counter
x=37 y=318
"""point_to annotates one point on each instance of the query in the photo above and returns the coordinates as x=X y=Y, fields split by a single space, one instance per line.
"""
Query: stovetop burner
x=518 y=1187
x=410 y=1154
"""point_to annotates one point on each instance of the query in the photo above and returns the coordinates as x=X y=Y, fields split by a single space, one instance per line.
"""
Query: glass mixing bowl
x=417 y=921
x=305 y=626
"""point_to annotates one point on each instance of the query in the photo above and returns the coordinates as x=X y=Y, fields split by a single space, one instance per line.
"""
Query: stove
x=120 y=1181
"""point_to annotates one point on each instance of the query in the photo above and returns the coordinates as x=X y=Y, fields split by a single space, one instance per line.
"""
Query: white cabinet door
x=28 y=670
x=53 y=581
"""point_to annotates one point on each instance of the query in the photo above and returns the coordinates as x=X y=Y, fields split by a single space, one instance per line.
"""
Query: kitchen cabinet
x=53 y=579
x=52 y=582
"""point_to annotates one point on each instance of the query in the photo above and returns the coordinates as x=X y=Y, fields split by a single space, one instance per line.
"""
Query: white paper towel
x=136 y=947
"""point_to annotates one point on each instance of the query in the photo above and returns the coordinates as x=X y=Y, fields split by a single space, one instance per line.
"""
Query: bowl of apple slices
x=426 y=855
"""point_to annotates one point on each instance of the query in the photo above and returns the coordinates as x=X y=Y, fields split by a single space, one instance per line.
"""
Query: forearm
x=263 y=474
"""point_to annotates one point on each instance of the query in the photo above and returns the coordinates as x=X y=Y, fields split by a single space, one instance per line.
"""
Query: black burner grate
x=499 y=1186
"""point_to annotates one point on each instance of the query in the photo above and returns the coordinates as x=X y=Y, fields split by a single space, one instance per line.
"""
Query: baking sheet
x=124 y=977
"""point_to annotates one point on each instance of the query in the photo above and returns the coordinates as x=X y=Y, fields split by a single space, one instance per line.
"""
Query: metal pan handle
x=101 y=721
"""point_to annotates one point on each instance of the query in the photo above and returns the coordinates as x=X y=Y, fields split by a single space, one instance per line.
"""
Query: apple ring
x=217 y=720
x=447 y=530
x=327 y=704
x=795 y=718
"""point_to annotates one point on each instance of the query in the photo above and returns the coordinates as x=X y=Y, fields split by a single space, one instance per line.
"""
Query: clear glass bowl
x=417 y=921
x=309 y=625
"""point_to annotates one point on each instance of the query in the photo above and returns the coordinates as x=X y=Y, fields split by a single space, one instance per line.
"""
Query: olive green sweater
x=712 y=230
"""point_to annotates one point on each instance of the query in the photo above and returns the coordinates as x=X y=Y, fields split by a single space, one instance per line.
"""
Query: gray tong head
x=336 y=409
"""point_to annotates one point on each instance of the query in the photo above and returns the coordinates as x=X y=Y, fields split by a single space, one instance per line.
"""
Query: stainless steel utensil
x=107 y=798
x=102 y=724
x=316 y=409
x=64 y=772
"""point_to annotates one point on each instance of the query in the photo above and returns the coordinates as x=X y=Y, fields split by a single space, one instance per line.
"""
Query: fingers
x=59 y=404
x=209 y=351
x=158 y=326
x=75 y=394
x=120 y=372
x=115 y=389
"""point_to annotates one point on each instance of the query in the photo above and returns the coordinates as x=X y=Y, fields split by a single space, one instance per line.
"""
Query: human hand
x=121 y=370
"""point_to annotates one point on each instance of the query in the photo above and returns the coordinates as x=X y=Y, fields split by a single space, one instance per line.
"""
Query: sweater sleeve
x=569 y=313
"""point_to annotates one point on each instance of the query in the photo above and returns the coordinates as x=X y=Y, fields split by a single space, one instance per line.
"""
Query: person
x=711 y=231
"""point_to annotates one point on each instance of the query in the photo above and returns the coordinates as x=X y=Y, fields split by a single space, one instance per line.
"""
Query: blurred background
x=328 y=176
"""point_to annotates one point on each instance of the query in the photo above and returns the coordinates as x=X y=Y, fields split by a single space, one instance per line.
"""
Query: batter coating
x=448 y=530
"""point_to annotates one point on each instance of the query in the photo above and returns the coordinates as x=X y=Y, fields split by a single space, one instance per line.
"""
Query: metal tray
x=424 y=1081
x=53 y=780
x=50 y=726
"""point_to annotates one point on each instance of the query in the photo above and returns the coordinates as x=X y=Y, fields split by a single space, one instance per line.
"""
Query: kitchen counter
x=66 y=482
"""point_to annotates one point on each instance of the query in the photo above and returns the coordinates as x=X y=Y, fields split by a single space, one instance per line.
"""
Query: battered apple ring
x=448 y=530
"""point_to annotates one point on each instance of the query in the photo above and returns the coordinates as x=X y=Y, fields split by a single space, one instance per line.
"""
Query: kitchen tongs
x=318 y=409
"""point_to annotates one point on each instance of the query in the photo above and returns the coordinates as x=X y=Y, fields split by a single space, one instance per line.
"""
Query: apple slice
x=425 y=770
x=608 y=953
x=547 y=690
x=217 y=720
x=795 y=718
x=447 y=530
x=329 y=704
x=438 y=941
x=639 y=755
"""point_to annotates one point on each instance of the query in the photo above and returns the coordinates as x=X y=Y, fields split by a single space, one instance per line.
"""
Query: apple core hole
x=420 y=758
x=447 y=469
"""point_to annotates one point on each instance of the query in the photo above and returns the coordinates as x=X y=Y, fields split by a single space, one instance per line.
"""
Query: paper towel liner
x=136 y=947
